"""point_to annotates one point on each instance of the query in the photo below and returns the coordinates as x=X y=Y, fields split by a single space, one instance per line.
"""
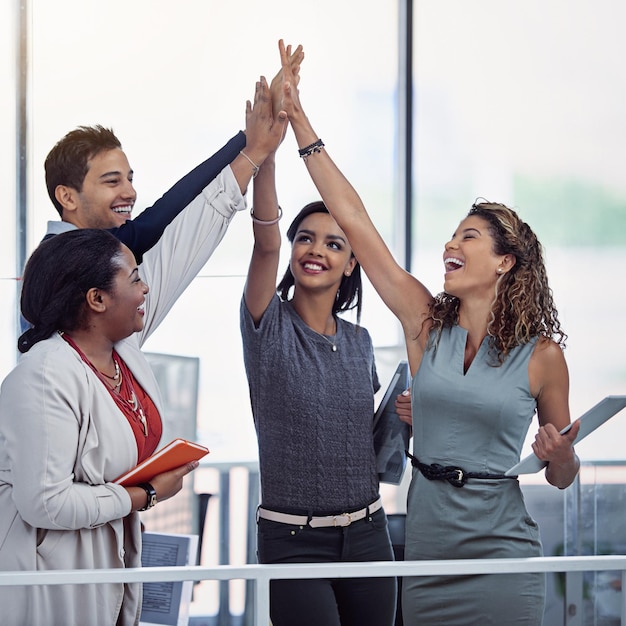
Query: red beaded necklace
x=122 y=391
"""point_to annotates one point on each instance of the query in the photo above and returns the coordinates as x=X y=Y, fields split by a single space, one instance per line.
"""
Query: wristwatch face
x=152 y=495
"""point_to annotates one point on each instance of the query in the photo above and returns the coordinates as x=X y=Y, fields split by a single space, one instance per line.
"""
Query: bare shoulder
x=548 y=352
x=547 y=368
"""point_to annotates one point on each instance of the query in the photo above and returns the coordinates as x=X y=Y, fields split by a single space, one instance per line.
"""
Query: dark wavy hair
x=58 y=275
x=523 y=306
x=68 y=161
x=350 y=293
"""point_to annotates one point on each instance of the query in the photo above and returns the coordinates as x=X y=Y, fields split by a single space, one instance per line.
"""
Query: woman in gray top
x=485 y=354
x=312 y=380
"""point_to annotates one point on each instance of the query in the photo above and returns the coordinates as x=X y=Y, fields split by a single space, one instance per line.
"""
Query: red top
x=134 y=402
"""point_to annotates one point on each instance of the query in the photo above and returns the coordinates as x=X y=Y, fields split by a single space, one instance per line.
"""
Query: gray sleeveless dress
x=478 y=421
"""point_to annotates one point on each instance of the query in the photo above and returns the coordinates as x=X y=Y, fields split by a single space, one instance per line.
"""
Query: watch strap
x=151 y=495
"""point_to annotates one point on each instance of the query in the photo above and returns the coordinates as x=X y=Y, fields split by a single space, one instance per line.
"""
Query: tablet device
x=589 y=421
x=391 y=436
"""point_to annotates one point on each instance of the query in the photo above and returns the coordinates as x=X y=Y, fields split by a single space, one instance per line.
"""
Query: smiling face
x=125 y=301
x=320 y=254
x=107 y=196
x=471 y=265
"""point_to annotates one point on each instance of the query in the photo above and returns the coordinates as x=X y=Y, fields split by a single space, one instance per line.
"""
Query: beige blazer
x=63 y=440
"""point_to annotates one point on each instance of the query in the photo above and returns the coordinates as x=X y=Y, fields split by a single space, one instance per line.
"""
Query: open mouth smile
x=124 y=209
x=453 y=263
x=309 y=266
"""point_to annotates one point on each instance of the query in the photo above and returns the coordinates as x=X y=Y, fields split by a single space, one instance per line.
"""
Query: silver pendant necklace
x=331 y=342
x=333 y=345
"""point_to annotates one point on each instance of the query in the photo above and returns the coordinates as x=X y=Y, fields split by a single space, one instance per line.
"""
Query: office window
x=172 y=80
x=521 y=103
x=8 y=191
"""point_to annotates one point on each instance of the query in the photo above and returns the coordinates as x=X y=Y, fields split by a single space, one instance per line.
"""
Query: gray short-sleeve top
x=313 y=409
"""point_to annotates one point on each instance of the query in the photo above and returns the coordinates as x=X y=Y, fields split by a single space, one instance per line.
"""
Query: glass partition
x=594 y=513
x=508 y=105
x=518 y=103
x=172 y=80
x=8 y=190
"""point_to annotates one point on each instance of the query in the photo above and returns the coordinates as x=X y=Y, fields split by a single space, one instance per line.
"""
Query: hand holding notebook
x=173 y=455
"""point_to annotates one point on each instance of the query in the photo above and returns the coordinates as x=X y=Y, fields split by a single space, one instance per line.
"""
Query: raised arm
x=188 y=242
x=141 y=233
x=261 y=283
x=407 y=298
x=264 y=132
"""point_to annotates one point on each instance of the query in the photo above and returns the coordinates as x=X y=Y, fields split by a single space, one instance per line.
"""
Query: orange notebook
x=173 y=455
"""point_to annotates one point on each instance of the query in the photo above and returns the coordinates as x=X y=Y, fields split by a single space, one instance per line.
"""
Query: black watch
x=151 y=493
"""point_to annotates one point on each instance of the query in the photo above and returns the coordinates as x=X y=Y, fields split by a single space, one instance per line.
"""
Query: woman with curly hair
x=485 y=356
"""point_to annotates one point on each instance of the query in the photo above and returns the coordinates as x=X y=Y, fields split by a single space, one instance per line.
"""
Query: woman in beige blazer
x=82 y=406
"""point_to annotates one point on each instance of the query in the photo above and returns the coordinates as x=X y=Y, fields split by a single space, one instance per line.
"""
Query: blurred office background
x=517 y=102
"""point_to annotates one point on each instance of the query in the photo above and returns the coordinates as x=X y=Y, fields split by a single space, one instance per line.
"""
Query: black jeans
x=329 y=601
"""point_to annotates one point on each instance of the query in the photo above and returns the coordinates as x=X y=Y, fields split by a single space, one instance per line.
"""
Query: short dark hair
x=67 y=163
x=350 y=292
x=58 y=275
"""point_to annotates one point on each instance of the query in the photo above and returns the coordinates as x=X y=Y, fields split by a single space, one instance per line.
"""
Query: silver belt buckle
x=345 y=519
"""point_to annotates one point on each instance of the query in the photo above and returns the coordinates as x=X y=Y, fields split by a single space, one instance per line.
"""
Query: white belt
x=344 y=519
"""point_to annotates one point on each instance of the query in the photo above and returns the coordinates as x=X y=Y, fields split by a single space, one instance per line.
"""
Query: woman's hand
x=558 y=451
x=551 y=446
x=264 y=132
x=403 y=407
x=276 y=86
x=290 y=79
x=166 y=485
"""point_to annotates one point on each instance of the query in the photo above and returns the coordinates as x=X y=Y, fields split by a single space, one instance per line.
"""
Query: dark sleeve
x=146 y=229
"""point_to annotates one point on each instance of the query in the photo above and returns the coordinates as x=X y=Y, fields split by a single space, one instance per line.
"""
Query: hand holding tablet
x=589 y=421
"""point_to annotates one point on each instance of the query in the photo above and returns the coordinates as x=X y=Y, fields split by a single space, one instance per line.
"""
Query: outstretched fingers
x=290 y=78
x=294 y=59
x=264 y=130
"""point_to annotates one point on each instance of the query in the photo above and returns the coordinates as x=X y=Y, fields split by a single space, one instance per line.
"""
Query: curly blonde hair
x=523 y=307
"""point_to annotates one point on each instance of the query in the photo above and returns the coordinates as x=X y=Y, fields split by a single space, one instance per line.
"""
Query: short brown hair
x=67 y=163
